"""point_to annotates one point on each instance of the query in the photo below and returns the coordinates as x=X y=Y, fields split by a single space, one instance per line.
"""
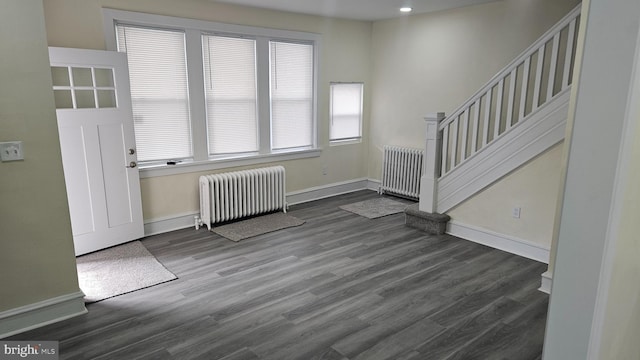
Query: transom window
x=83 y=87
x=205 y=91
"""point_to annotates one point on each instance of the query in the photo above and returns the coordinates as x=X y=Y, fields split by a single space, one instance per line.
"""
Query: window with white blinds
x=230 y=87
x=291 y=95
x=346 y=111
x=206 y=93
x=159 y=91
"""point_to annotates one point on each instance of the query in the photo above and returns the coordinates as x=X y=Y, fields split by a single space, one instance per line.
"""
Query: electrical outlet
x=325 y=170
x=11 y=151
x=515 y=212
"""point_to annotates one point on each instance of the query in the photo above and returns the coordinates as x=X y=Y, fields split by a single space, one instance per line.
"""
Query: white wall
x=36 y=246
x=433 y=62
x=603 y=83
x=533 y=188
x=618 y=307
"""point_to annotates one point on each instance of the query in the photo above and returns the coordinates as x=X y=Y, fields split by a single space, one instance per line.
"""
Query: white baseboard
x=42 y=313
x=545 y=283
x=325 y=191
x=499 y=241
x=185 y=220
x=373 y=184
x=169 y=223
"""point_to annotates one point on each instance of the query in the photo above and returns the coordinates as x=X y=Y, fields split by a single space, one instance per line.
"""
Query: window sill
x=150 y=171
x=345 y=142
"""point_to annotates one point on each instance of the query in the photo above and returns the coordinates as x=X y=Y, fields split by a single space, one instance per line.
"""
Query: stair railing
x=540 y=73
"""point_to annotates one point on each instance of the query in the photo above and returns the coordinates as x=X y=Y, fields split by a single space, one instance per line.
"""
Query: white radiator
x=401 y=171
x=237 y=194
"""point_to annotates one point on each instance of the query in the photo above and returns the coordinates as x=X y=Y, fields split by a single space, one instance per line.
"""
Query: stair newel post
x=429 y=180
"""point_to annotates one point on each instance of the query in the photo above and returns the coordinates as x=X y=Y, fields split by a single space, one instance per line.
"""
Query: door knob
x=132 y=151
x=132 y=164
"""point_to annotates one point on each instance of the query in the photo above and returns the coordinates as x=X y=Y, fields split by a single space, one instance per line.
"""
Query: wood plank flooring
x=339 y=287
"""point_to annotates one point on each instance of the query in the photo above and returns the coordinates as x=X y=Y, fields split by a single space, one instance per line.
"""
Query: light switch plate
x=11 y=151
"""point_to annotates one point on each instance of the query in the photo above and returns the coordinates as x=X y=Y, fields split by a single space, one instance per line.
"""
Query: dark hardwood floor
x=338 y=287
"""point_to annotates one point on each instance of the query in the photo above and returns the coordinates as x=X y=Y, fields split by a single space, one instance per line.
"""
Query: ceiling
x=369 y=10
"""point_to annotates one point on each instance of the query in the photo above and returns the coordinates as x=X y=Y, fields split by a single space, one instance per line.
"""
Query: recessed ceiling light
x=406 y=9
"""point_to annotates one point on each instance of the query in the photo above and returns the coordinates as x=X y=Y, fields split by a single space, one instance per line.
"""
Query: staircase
x=517 y=115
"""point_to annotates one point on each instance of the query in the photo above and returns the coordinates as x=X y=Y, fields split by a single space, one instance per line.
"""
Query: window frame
x=183 y=101
x=271 y=102
x=350 y=140
x=211 y=154
x=194 y=30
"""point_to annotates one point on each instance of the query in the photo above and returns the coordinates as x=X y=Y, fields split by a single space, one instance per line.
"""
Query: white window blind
x=230 y=85
x=346 y=111
x=291 y=95
x=159 y=91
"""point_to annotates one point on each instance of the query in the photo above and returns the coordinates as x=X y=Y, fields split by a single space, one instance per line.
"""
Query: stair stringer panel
x=536 y=133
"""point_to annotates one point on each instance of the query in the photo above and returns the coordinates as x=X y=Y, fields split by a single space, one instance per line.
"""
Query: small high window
x=346 y=111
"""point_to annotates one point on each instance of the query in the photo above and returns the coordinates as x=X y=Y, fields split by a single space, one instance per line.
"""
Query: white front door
x=95 y=123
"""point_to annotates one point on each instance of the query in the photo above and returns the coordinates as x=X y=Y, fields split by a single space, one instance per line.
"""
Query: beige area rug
x=119 y=270
x=375 y=208
x=244 y=229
